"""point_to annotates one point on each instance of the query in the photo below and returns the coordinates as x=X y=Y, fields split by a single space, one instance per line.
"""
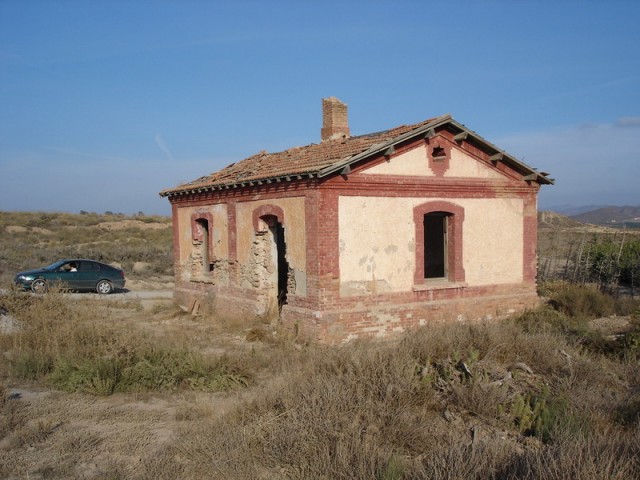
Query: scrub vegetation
x=31 y=240
x=588 y=254
x=110 y=388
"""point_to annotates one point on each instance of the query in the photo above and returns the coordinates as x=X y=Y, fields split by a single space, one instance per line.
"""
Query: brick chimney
x=335 y=123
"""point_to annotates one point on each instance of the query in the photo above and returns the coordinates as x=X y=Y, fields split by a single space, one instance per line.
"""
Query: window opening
x=438 y=153
x=435 y=245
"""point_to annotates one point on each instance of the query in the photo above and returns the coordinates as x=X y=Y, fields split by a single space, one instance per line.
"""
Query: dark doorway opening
x=435 y=245
x=283 y=266
x=203 y=225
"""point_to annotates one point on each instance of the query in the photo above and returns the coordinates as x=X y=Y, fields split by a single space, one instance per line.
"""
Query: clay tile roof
x=295 y=161
x=332 y=155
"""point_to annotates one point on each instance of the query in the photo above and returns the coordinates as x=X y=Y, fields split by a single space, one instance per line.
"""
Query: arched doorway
x=201 y=242
x=274 y=265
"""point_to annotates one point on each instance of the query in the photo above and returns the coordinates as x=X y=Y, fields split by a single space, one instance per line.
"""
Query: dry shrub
x=12 y=413
x=603 y=455
x=340 y=416
x=457 y=458
x=504 y=342
x=375 y=410
x=582 y=302
x=84 y=236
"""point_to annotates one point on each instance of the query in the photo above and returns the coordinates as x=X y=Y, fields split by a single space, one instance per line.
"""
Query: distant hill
x=552 y=219
x=570 y=210
x=611 y=216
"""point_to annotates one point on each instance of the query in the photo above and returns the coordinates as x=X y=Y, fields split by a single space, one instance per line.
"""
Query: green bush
x=615 y=261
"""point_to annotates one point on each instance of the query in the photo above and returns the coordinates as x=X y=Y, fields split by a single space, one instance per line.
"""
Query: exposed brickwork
x=335 y=121
x=530 y=259
x=384 y=316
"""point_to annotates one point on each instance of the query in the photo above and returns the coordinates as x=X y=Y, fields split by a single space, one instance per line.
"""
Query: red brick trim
x=530 y=239
x=267 y=210
x=232 y=241
x=439 y=154
x=455 y=235
x=231 y=231
x=176 y=238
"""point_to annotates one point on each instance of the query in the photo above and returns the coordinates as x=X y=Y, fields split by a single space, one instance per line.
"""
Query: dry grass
x=77 y=346
x=519 y=399
x=371 y=410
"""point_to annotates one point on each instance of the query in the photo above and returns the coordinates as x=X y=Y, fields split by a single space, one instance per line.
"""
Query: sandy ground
x=79 y=436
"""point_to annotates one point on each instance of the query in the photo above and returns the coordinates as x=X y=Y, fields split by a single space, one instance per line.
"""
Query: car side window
x=90 y=266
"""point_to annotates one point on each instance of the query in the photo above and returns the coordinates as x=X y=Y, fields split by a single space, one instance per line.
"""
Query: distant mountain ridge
x=569 y=209
x=610 y=215
x=550 y=219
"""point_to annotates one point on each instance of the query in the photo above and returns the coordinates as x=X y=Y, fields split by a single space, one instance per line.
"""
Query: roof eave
x=195 y=189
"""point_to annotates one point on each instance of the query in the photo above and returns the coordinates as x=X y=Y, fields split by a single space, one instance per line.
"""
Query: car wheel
x=39 y=285
x=104 y=287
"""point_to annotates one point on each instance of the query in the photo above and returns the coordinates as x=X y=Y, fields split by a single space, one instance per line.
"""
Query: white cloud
x=628 y=122
x=163 y=146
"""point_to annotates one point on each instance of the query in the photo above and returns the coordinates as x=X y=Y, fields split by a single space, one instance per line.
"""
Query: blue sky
x=104 y=104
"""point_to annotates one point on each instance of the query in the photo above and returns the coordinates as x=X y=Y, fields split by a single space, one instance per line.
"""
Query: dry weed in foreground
x=77 y=346
x=529 y=398
x=518 y=399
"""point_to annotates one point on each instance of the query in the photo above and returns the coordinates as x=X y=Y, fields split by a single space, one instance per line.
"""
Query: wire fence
x=611 y=261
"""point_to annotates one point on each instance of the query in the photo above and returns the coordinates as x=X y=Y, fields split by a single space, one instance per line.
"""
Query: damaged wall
x=190 y=258
x=294 y=231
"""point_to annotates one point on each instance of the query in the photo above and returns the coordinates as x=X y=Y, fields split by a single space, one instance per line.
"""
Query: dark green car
x=73 y=274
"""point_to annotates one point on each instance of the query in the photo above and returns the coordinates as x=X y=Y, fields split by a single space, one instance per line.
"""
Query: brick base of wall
x=364 y=318
x=387 y=319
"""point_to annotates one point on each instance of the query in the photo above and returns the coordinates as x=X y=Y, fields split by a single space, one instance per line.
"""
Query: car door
x=67 y=276
x=88 y=275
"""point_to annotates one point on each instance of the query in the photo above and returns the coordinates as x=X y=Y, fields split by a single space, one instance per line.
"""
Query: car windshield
x=53 y=266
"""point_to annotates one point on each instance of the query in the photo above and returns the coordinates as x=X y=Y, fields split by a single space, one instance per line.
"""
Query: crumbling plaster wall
x=251 y=247
x=218 y=236
x=377 y=242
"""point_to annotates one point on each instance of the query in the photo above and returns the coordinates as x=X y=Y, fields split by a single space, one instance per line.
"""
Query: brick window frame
x=198 y=235
x=259 y=214
x=439 y=163
x=454 y=254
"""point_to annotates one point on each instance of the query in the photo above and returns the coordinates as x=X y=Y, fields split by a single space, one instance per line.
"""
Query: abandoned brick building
x=367 y=234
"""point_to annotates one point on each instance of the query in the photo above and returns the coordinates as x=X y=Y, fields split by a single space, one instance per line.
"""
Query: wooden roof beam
x=498 y=157
x=461 y=136
x=429 y=133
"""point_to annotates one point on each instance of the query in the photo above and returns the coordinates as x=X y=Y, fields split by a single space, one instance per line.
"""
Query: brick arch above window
x=200 y=236
x=455 y=221
x=266 y=211
x=196 y=230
